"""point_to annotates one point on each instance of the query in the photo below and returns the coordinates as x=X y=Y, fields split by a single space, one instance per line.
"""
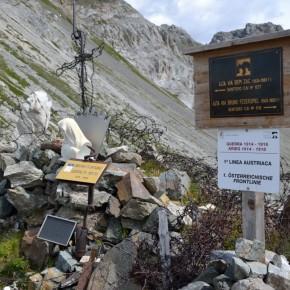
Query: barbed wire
x=130 y=128
x=79 y=64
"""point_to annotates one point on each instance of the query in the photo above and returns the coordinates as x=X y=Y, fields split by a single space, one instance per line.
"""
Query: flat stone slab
x=23 y=174
x=250 y=250
x=137 y=210
x=258 y=270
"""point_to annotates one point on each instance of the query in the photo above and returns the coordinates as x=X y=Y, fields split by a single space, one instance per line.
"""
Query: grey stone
x=178 y=210
x=23 y=174
x=50 y=192
x=111 y=151
x=208 y=275
x=281 y=262
x=6 y=159
x=95 y=221
x=152 y=222
x=175 y=183
x=152 y=184
x=65 y=262
x=132 y=224
x=78 y=199
x=63 y=190
x=36 y=217
x=198 y=285
x=69 y=213
x=34 y=249
x=54 y=274
x=50 y=177
x=35 y=281
x=131 y=187
x=113 y=174
x=222 y=255
x=240 y=270
x=277 y=278
x=54 y=165
x=25 y=202
x=52 y=278
x=6 y=147
x=220 y=265
x=101 y=222
x=252 y=284
x=250 y=250
x=101 y=198
x=113 y=207
x=123 y=157
x=114 y=232
x=115 y=171
x=6 y=208
x=222 y=282
x=258 y=269
x=3 y=186
x=269 y=255
x=42 y=158
x=116 y=266
x=137 y=210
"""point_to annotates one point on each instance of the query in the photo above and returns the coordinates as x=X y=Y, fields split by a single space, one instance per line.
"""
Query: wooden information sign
x=243 y=83
x=248 y=84
x=84 y=172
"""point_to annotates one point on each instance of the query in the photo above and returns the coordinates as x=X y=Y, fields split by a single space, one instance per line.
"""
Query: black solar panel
x=56 y=230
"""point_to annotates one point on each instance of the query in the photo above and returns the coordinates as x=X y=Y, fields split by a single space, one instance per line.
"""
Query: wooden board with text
x=243 y=83
x=83 y=172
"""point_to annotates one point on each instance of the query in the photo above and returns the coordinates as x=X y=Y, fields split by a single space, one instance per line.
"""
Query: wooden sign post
x=242 y=84
x=249 y=161
x=253 y=213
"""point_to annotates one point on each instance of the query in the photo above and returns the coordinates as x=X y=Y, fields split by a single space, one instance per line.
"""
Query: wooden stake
x=164 y=247
x=253 y=212
x=87 y=272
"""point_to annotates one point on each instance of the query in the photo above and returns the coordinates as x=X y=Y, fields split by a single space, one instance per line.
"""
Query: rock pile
x=249 y=267
x=124 y=213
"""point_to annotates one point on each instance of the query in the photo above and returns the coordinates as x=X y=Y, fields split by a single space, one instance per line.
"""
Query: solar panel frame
x=45 y=232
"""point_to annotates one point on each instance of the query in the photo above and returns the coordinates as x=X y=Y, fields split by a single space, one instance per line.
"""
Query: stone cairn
x=125 y=213
x=249 y=267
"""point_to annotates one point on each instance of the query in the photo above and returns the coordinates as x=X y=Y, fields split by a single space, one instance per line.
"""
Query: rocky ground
x=141 y=72
x=125 y=205
x=124 y=216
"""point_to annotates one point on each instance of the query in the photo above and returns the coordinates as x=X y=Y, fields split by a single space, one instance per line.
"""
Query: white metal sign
x=249 y=160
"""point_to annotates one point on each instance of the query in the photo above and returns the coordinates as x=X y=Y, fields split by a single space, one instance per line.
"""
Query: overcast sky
x=202 y=18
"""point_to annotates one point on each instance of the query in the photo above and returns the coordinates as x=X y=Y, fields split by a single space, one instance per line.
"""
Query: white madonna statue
x=75 y=142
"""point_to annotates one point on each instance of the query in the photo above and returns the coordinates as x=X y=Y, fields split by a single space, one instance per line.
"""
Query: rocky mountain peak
x=174 y=34
x=249 y=30
x=156 y=51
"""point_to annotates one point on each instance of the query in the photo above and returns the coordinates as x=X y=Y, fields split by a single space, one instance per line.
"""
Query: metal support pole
x=91 y=194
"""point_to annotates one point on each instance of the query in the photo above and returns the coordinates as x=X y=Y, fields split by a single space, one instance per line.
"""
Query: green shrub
x=152 y=168
x=12 y=265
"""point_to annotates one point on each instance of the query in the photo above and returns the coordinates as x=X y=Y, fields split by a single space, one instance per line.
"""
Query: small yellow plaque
x=88 y=172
